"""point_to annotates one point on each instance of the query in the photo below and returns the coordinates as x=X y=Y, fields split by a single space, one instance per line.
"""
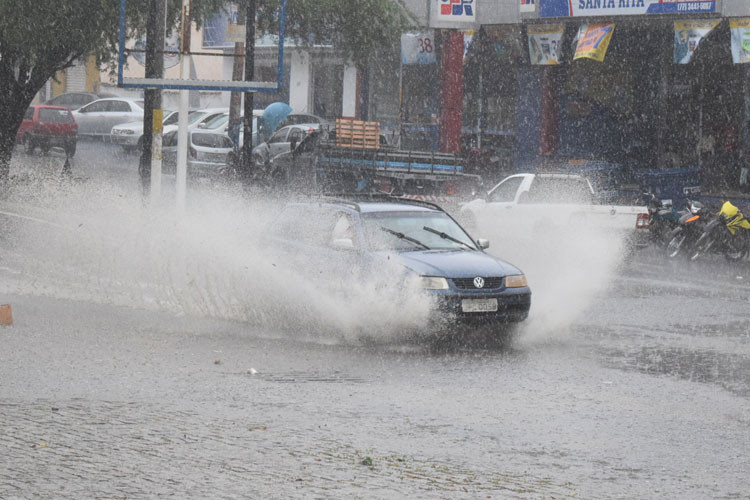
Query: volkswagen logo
x=479 y=282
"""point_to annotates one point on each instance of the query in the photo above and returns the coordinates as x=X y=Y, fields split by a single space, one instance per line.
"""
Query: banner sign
x=575 y=8
x=593 y=40
x=528 y=5
x=687 y=37
x=418 y=47
x=740 y=29
x=544 y=43
x=463 y=11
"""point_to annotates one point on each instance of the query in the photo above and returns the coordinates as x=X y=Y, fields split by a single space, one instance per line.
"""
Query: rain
x=286 y=290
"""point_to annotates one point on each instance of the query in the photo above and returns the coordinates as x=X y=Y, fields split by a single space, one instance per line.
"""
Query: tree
x=40 y=38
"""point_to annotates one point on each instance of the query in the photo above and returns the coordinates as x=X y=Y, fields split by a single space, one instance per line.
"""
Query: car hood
x=455 y=263
x=138 y=126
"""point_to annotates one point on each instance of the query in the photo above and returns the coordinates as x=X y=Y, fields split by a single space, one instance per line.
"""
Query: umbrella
x=273 y=115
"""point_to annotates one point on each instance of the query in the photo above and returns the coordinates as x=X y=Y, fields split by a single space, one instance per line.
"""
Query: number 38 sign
x=418 y=47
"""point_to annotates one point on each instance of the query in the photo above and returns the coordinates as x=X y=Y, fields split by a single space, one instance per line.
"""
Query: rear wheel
x=28 y=144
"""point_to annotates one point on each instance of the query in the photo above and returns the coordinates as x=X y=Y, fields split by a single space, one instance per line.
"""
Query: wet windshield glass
x=380 y=228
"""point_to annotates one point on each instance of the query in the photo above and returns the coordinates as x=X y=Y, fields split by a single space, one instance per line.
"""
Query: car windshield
x=217 y=121
x=55 y=115
x=414 y=231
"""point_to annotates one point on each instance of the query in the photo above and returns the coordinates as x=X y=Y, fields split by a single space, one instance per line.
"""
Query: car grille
x=490 y=283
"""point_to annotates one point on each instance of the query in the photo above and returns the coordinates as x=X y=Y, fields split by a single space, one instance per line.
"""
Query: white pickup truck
x=523 y=204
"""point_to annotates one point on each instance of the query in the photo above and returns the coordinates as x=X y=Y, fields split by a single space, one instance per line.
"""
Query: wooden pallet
x=357 y=134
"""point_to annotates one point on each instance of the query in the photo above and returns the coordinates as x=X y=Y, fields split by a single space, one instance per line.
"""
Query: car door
x=119 y=112
x=279 y=143
x=501 y=205
x=90 y=116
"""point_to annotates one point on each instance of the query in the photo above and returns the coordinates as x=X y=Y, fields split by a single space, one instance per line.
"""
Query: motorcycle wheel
x=675 y=245
x=702 y=246
x=736 y=248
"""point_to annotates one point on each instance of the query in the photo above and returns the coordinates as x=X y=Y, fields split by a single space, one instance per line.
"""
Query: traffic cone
x=6 y=315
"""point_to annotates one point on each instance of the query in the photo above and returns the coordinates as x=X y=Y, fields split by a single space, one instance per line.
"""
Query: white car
x=207 y=152
x=282 y=141
x=97 y=118
x=130 y=135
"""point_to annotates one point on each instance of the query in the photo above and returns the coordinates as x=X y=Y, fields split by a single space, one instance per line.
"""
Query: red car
x=46 y=126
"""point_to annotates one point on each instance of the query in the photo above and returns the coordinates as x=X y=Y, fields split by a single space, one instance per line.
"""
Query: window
x=96 y=107
x=55 y=115
x=559 y=190
x=295 y=135
x=29 y=115
x=506 y=192
x=119 y=107
x=279 y=136
x=172 y=118
x=208 y=140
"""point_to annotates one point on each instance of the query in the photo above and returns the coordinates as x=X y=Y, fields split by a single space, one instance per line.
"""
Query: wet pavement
x=640 y=389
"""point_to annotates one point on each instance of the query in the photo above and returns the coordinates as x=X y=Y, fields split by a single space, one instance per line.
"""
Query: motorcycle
x=690 y=226
x=729 y=234
x=662 y=220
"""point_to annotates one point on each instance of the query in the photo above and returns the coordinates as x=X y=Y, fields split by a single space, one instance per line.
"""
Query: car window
x=96 y=107
x=170 y=139
x=211 y=140
x=279 y=136
x=172 y=118
x=506 y=191
x=559 y=190
x=119 y=106
x=55 y=115
x=29 y=114
x=295 y=135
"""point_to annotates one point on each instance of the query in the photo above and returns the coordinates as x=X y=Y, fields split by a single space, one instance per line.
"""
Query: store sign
x=544 y=43
x=740 y=29
x=687 y=37
x=418 y=47
x=593 y=40
x=575 y=8
x=528 y=5
x=462 y=11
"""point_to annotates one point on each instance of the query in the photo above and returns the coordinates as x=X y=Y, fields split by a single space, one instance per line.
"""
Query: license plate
x=478 y=305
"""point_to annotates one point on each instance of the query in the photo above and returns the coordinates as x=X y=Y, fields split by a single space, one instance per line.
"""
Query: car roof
x=382 y=203
x=48 y=106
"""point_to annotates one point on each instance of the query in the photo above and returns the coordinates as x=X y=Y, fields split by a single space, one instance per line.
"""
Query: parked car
x=130 y=135
x=302 y=118
x=97 y=118
x=74 y=100
x=361 y=238
x=207 y=153
x=220 y=123
x=283 y=140
x=46 y=127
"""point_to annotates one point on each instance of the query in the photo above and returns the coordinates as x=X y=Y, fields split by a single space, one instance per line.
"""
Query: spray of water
x=97 y=241
x=566 y=269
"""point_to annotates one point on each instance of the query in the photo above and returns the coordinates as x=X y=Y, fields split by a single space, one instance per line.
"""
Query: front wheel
x=675 y=244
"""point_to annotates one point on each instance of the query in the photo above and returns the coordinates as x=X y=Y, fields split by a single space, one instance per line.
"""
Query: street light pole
x=247 y=122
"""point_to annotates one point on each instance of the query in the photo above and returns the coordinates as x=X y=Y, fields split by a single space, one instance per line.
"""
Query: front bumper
x=513 y=305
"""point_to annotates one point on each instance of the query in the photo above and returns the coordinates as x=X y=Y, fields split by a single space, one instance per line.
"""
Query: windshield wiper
x=402 y=236
x=446 y=236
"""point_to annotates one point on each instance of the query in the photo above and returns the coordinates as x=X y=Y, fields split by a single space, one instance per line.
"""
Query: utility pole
x=235 y=102
x=247 y=143
x=152 y=112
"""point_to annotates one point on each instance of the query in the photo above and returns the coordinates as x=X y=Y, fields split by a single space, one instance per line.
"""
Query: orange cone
x=6 y=315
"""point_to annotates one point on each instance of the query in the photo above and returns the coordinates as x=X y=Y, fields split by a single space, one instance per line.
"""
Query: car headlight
x=515 y=281
x=434 y=283
x=127 y=132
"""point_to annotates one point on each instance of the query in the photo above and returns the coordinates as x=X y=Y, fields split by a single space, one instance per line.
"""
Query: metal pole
x=182 y=122
x=155 y=29
x=247 y=121
x=235 y=102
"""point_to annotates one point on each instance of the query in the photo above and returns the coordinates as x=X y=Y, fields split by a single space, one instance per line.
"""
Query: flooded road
x=121 y=381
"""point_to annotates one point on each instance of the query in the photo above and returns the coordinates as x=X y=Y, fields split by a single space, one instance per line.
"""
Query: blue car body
x=474 y=287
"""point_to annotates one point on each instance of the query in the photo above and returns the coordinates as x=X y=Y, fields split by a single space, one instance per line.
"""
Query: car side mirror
x=483 y=244
x=343 y=243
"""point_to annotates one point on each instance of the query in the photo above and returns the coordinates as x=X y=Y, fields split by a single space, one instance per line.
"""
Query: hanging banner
x=544 y=43
x=740 y=29
x=687 y=37
x=468 y=39
x=418 y=47
x=506 y=43
x=593 y=40
x=461 y=11
x=575 y=8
